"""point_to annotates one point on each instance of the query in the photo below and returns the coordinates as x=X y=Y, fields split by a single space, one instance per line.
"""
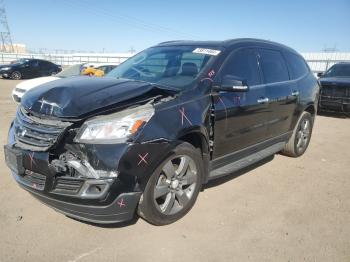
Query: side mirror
x=320 y=74
x=231 y=83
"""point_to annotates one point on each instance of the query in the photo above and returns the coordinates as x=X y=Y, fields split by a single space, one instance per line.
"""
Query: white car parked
x=73 y=70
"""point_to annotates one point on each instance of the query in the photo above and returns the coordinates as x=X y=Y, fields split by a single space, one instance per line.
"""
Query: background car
x=335 y=88
x=98 y=70
x=24 y=86
x=29 y=68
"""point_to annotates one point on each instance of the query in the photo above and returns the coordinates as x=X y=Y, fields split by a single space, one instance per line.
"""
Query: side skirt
x=246 y=157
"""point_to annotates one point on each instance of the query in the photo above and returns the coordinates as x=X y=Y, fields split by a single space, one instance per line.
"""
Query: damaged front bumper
x=103 y=186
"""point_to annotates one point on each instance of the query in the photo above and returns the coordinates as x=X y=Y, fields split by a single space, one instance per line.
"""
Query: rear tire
x=16 y=75
x=300 y=139
x=174 y=186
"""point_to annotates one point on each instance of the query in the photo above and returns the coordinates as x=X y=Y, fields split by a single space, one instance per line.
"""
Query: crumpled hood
x=335 y=80
x=77 y=97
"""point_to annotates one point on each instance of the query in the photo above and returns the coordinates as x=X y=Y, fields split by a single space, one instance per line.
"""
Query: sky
x=118 y=26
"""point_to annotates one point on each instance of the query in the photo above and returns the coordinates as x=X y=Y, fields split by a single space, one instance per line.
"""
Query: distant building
x=18 y=48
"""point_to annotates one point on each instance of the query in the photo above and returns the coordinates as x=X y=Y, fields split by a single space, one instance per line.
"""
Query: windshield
x=175 y=66
x=73 y=70
x=338 y=71
x=20 y=61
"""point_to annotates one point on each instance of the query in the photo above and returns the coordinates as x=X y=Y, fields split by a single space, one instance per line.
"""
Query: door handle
x=263 y=100
x=295 y=93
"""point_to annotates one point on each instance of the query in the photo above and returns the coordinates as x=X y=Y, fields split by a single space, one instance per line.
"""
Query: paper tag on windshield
x=206 y=51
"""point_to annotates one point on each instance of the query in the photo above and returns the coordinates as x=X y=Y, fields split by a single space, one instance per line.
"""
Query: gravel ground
x=283 y=209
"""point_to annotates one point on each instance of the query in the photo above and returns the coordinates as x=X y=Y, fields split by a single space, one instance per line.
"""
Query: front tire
x=300 y=139
x=174 y=186
x=16 y=75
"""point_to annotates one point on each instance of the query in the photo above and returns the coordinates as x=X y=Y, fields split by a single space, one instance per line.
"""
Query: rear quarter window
x=297 y=65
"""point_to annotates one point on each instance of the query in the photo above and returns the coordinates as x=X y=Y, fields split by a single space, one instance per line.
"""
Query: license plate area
x=14 y=159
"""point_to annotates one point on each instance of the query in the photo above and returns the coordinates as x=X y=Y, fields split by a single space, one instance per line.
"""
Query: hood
x=8 y=65
x=29 y=84
x=335 y=80
x=78 y=97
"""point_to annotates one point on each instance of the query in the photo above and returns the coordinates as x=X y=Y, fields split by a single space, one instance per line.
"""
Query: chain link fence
x=318 y=61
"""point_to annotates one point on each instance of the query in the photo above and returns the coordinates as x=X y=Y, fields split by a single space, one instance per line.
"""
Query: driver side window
x=243 y=65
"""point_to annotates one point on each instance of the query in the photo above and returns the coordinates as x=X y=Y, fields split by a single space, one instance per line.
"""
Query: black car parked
x=335 y=88
x=29 y=68
x=159 y=126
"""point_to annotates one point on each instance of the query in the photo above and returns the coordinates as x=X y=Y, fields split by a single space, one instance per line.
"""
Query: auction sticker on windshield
x=206 y=51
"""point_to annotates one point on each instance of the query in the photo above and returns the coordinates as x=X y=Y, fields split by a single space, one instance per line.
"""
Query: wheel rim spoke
x=161 y=190
x=169 y=170
x=183 y=166
x=189 y=178
x=182 y=198
x=169 y=204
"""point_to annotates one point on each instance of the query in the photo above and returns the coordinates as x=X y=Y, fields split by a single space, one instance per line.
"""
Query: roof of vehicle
x=227 y=43
x=343 y=63
x=33 y=59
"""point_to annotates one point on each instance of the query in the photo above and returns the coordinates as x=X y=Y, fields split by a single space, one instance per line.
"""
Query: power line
x=131 y=21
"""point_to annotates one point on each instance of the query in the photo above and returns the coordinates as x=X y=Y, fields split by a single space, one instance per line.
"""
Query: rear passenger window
x=297 y=65
x=243 y=65
x=273 y=66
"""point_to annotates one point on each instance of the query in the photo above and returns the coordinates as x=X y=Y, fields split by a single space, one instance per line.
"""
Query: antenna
x=5 y=34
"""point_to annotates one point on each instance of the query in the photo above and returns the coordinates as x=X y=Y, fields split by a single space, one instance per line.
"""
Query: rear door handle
x=263 y=100
x=295 y=93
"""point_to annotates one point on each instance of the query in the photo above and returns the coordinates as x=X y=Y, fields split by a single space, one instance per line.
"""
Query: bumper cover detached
x=120 y=210
x=70 y=197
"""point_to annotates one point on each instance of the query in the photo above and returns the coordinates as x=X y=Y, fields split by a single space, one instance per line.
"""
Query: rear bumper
x=120 y=210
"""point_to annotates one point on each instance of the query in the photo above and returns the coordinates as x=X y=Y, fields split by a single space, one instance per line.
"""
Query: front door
x=240 y=117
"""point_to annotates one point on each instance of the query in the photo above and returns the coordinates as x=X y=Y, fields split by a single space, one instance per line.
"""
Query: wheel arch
x=201 y=141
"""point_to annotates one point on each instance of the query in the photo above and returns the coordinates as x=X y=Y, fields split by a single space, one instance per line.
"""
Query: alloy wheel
x=303 y=134
x=16 y=75
x=176 y=184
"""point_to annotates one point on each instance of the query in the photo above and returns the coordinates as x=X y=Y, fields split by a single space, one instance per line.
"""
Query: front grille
x=34 y=180
x=333 y=91
x=36 y=134
x=67 y=185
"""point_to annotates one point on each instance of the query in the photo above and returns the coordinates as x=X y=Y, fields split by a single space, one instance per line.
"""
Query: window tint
x=44 y=64
x=34 y=63
x=243 y=65
x=273 y=66
x=339 y=70
x=297 y=65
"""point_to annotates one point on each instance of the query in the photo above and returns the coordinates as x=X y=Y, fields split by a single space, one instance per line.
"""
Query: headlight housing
x=5 y=68
x=114 y=128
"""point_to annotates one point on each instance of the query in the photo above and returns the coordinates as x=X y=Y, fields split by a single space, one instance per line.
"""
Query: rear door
x=280 y=91
x=46 y=68
x=240 y=117
x=31 y=69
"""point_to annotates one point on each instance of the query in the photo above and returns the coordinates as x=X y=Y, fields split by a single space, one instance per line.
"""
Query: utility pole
x=6 y=40
x=132 y=50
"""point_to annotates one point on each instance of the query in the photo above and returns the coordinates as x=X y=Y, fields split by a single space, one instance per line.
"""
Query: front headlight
x=114 y=128
x=5 y=68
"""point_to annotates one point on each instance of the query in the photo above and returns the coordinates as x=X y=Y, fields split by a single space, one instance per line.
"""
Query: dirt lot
x=285 y=210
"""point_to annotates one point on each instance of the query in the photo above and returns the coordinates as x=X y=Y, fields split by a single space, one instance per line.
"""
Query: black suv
x=29 y=68
x=147 y=137
x=335 y=88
